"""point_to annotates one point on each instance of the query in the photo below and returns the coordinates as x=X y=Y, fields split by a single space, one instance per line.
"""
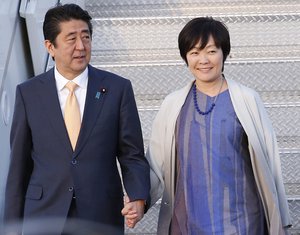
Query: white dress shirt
x=81 y=80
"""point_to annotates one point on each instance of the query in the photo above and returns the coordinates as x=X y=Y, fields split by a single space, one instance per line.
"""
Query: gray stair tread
x=131 y=57
x=162 y=33
x=158 y=80
x=156 y=8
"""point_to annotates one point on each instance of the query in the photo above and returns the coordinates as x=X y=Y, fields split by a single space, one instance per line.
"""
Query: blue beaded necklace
x=212 y=105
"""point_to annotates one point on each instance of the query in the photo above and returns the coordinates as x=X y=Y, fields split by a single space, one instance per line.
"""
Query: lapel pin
x=97 y=95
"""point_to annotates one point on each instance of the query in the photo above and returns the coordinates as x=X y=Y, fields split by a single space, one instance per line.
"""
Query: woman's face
x=206 y=64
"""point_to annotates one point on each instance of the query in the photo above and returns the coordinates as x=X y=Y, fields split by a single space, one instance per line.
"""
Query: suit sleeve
x=135 y=167
x=20 y=167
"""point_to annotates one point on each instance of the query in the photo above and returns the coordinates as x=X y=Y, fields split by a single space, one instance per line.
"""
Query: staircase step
x=290 y=162
x=276 y=81
x=160 y=8
x=161 y=33
x=135 y=56
x=286 y=124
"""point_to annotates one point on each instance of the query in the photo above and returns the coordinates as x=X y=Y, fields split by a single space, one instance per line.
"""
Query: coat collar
x=96 y=92
x=95 y=97
x=49 y=99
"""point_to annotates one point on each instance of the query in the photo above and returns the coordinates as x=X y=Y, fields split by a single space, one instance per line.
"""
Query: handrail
x=3 y=97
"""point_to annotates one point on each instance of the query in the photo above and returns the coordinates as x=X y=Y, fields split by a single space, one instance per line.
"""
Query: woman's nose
x=202 y=58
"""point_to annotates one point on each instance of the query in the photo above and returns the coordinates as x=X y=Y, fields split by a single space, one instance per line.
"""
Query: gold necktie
x=72 y=114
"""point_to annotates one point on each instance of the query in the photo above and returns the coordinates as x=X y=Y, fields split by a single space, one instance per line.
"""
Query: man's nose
x=79 y=44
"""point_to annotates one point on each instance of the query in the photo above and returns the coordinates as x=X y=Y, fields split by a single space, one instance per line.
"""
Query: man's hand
x=133 y=211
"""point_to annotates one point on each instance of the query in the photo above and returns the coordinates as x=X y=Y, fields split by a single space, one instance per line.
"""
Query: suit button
x=74 y=161
x=71 y=189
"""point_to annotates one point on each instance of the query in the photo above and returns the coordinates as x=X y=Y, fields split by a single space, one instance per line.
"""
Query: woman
x=213 y=151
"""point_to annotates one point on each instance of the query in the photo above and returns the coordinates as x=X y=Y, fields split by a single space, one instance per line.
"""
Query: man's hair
x=200 y=29
x=63 y=13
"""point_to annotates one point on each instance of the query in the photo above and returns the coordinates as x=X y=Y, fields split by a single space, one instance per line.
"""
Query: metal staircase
x=138 y=40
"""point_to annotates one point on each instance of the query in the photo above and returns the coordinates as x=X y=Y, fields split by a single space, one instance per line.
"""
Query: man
x=63 y=169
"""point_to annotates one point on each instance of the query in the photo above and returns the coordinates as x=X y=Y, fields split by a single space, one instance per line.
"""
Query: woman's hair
x=63 y=13
x=200 y=29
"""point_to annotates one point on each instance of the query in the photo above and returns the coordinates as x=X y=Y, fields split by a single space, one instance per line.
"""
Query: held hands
x=133 y=211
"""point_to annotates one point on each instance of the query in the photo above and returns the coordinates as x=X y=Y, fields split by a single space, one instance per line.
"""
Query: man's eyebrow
x=85 y=31
x=82 y=31
x=70 y=34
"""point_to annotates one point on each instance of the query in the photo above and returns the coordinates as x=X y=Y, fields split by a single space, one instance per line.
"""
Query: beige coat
x=262 y=147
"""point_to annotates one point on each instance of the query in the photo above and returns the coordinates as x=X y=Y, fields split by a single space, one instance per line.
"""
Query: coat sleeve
x=135 y=167
x=156 y=155
x=264 y=151
x=20 y=167
x=161 y=151
x=273 y=160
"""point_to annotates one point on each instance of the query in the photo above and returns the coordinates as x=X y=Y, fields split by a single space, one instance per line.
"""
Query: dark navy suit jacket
x=45 y=173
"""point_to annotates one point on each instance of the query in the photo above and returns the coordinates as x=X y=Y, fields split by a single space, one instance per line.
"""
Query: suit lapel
x=49 y=98
x=95 y=97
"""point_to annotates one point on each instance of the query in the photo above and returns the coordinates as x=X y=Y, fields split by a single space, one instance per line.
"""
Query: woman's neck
x=212 y=88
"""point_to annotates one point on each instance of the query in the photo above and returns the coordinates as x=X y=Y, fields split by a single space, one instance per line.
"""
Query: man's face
x=72 y=50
